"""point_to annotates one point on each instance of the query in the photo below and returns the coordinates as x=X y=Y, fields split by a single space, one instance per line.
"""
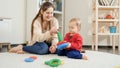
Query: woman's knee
x=37 y=48
x=43 y=48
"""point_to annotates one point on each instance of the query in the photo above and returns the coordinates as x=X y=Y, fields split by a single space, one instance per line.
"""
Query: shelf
x=101 y=24
x=108 y=33
x=108 y=7
x=57 y=12
x=107 y=20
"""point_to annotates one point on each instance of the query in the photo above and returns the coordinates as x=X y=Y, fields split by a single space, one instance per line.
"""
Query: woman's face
x=48 y=14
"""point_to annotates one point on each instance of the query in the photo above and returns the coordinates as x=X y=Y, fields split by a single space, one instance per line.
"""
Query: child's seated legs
x=61 y=52
x=75 y=54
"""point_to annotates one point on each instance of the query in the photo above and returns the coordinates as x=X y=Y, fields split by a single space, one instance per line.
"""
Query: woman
x=43 y=32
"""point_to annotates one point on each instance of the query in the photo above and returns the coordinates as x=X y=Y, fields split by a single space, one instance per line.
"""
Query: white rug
x=95 y=60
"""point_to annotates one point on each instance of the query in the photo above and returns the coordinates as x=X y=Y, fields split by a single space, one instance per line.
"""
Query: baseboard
x=100 y=46
x=88 y=46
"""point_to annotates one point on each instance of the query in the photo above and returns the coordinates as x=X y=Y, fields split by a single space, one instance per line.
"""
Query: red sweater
x=75 y=40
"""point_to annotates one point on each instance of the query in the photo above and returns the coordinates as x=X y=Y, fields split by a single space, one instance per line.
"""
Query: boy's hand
x=52 y=49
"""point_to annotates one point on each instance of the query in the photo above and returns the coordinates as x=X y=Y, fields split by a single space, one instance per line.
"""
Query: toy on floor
x=30 y=59
x=117 y=66
x=59 y=36
x=62 y=46
x=54 y=62
x=34 y=57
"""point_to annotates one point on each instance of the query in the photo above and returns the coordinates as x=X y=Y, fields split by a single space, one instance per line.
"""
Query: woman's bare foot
x=84 y=57
x=15 y=49
x=21 y=52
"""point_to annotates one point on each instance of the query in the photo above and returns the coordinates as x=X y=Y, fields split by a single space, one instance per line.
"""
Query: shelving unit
x=106 y=13
x=58 y=13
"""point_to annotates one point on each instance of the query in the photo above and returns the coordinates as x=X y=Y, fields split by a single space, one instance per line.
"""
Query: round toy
x=29 y=60
x=34 y=57
x=53 y=62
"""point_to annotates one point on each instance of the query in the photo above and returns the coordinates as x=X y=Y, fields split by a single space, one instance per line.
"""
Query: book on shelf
x=99 y=1
x=112 y=2
x=107 y=2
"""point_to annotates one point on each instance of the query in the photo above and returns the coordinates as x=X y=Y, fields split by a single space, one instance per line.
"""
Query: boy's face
x=73 y=28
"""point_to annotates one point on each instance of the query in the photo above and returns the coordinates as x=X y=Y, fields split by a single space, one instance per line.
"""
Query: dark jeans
x=37 y=48
x=70 y=53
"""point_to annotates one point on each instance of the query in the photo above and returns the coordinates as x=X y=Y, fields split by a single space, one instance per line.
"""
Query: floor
x=101 y=49
x=106 y=49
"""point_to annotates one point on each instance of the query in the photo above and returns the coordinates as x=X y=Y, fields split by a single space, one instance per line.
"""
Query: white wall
x=15 y=9
x=32 y=8
x=22 y=14
x=83 y=10
x=80 y=9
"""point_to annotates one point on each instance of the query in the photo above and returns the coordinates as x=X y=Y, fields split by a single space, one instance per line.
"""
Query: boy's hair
x=77 y=22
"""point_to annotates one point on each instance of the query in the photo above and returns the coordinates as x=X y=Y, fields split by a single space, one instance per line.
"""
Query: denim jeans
x=70 y=53
x=37 y=48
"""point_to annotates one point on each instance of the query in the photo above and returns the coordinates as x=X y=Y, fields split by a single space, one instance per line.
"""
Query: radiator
x=5 y=30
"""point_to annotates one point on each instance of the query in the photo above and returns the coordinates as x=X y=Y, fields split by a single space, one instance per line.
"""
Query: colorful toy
x=34 y=57
x=54 y=62
x=30 y=59
x=59 y=36
x=62 y=46
x=117 y=66
x=109 y=16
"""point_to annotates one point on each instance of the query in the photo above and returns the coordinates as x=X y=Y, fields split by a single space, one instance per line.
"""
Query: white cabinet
x=5 y=30
x=106 y=21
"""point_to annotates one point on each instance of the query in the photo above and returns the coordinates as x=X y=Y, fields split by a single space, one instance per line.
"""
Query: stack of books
x=107 y=2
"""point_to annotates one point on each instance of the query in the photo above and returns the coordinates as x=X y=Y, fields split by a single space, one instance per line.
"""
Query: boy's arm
x=77 y=44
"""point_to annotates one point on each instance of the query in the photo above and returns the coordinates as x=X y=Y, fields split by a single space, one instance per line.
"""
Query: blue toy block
x=29 y=60
x=62 y=46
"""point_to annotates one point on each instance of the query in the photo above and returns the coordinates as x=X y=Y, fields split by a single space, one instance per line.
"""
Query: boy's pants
x=70 y=53
x=37 y=48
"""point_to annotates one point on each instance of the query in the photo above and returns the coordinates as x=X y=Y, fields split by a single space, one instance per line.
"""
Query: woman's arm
x=55 y=36
x=52 y=48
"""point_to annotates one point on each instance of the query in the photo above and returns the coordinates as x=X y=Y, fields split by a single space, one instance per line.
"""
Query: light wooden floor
x=101 y=49
x=106 y=49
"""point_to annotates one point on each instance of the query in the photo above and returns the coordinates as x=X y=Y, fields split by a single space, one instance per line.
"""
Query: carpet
x=95 y=60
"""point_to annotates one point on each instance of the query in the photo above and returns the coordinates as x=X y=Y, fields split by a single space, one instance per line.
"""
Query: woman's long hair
x=43 y=7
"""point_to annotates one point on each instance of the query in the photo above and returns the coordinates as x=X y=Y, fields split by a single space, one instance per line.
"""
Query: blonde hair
x=77 y=22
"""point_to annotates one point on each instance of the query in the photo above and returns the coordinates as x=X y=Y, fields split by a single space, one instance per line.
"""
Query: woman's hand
x=53 y=30
x=52 y=49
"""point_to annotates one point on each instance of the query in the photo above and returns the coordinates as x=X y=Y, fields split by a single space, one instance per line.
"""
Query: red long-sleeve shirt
x=75 y=40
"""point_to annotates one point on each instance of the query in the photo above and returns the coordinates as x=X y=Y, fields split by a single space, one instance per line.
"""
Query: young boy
x=73 y=40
